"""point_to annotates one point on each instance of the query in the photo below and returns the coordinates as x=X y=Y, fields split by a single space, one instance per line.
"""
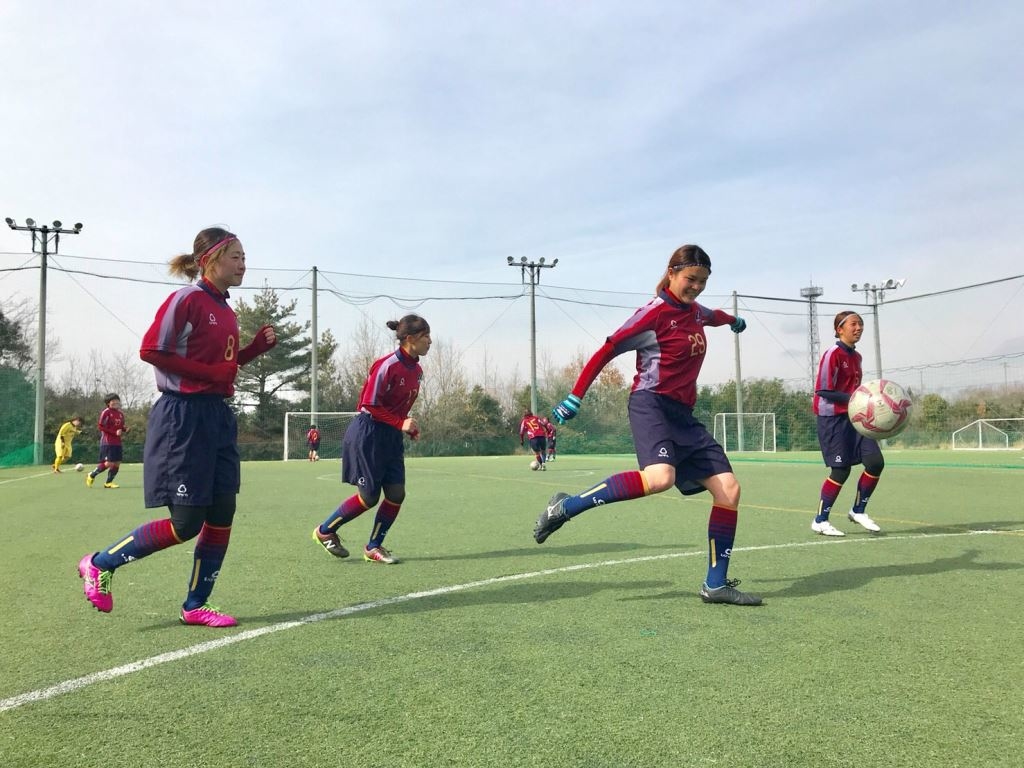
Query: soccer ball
x=879 y=409
x=534 y=465
x=79 y=467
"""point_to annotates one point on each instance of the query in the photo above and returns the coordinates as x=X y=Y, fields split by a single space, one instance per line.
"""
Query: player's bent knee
x=187 y=521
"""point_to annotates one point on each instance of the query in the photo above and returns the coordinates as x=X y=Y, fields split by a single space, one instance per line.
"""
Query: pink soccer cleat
x=207 y=616
x=96 y=584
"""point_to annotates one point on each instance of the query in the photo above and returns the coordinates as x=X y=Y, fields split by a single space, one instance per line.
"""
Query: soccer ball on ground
x=79 y=467
x=534 y=465
x=879 y=409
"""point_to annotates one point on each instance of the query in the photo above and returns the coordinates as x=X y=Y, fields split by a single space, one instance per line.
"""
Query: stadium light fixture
x=10 y=222
x=30 y=222
x=510 y=259
x=877 y=292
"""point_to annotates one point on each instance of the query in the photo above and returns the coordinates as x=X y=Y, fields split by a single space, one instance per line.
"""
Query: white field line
x=69 y=686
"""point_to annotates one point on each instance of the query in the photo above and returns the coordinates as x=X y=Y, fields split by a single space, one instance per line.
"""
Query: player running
x=373 y=451
x=842 y=446
x=112 y=426
x=191 y=461
x=672 y=447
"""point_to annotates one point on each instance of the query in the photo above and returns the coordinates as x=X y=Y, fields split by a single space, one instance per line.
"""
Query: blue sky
x=833 y=142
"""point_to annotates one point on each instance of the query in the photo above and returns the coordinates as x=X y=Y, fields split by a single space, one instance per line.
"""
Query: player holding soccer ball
x=842 y=446
x=672 y=447
x=191 y=462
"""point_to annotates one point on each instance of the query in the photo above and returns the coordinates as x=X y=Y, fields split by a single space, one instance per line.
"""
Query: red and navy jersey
x=195 y=322
x=549 y=428
x=531 y=427
x=839 y=371
x=110 y=422
x=391 y=388
x=668 y=337
x=313 y=436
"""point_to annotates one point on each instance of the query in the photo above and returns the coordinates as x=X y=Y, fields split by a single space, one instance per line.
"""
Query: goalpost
x=984 y=435
x=745 y=431
x=332 y=426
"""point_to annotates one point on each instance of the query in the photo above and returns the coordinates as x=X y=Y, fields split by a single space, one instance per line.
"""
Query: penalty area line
x=70 y=686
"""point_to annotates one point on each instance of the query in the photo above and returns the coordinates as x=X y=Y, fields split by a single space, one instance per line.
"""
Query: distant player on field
x=532 y=428
x=191 y=456
x=672 y=447
x=62 y=447
x=112 y=426
x=551 y=434
x=373 y=451
x=842 y=446
x=313 y=441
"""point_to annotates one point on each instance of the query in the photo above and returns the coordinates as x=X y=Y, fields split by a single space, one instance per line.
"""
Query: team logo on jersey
x=672 y=324
x=401 y=382
x=213 y=319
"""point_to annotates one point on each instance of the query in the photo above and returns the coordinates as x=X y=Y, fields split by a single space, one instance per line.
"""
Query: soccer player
x=842 y=446
x=313 y=441
x=191 y=461
x=373 y=451
x=531 y=428
x=672 y=447
x=112 y=426
x=552 y=433
x=62 y=447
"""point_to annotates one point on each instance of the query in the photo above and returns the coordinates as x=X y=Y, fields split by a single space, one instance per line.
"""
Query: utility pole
x=314 y=365
x=877 y=297
x=532 y=270
x=42 y=237
x=811 y=293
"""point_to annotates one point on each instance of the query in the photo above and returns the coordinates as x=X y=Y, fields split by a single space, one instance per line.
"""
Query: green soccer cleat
x=728 y=593
x=552 y=518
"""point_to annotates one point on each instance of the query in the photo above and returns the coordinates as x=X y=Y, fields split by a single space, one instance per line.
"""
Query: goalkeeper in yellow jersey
x=65 y=436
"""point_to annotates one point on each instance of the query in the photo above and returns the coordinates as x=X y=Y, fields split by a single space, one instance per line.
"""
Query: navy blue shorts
x=538 y=444
x=666 y=432
x=315 y=445
x=372 y=456
x=191 y=453
x=841 y=444
x=111 y=453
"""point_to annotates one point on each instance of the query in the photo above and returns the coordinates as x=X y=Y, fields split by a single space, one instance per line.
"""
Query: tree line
x=457 y=416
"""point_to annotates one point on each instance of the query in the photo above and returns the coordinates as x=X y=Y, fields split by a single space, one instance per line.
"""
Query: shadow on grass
x=936 y=529
x=845 y=579
x=571 y=550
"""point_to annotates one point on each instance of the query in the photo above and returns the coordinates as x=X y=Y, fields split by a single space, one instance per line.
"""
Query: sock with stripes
x=721 y=534
x=386 y=514
x=211 y=546
x=865 y=487
x=350 y=509
x=620 y=487
x=144 y=540
x=829 y=493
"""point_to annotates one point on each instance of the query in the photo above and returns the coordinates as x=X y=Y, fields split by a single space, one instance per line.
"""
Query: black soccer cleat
x=552 y=518
x=728 y=594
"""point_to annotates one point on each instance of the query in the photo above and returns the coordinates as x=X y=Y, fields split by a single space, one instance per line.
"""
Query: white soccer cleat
x=865 y=522
x=825 y=528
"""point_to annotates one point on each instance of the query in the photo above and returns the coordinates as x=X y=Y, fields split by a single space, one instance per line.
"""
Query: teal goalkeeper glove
x=566 y=409
x=739 y=325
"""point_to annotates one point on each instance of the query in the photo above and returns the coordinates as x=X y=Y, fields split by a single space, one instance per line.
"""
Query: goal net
x=990 y=435
x=332 y=426
x=745 y=431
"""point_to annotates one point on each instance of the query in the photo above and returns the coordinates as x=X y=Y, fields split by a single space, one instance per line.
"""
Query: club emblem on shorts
x=361 y=482
x=663 y=452
x=182 y=490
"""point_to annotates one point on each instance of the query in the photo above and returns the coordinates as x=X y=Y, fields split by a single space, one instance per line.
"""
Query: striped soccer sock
x=620 y=487
x=350 y=509
x=721 y=534
x=386 y=514
x=829 y=493
x=865 y=487
x=144 y=540
x=211 y=546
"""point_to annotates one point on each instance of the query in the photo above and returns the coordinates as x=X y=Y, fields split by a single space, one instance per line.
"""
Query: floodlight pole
x=314 y=363
x=42 y=236
x=878 y=297
x=532 y=270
